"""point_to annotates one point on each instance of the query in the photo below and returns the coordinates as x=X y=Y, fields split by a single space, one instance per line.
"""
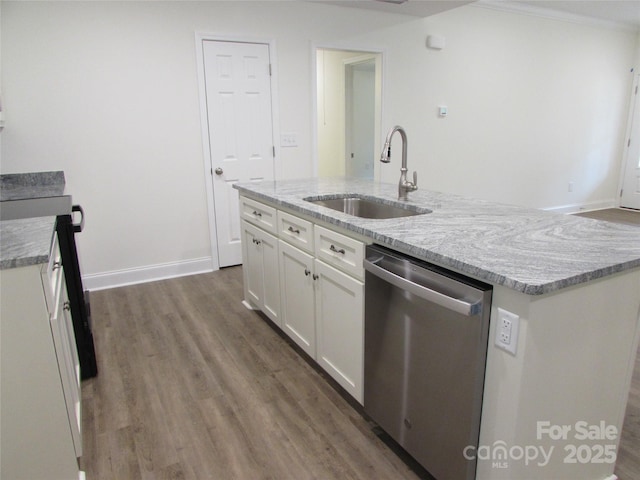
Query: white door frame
x=314 y=96
x=204 y=124
x=348 y=65
x=634 y=97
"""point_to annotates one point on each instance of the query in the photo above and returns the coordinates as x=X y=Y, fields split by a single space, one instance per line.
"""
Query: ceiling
x=618 y=12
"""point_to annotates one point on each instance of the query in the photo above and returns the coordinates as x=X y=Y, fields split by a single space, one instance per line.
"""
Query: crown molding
x=541 y=12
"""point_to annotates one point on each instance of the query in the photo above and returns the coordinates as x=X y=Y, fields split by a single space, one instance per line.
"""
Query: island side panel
x=576 y=351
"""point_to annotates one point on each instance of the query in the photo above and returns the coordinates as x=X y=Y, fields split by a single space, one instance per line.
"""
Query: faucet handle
x=415 y=179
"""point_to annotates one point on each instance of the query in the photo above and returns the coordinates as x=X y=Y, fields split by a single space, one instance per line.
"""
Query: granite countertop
x=20 y=186
x=528 y=250
x=26 y=241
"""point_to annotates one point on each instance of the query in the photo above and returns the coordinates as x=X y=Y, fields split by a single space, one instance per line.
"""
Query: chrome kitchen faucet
x=404 y=186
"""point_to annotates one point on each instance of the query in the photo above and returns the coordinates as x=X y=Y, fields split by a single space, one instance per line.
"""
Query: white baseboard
x=583 y=207
x=149 y=273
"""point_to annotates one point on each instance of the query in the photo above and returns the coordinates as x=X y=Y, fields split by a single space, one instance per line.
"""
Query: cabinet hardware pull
x=315 y=277
x=307 y=272
x=56 y=265
x=334 y=249
x=257 y=214
x=294 y=230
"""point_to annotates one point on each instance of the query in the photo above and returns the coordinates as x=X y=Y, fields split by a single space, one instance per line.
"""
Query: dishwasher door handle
x=450 y=303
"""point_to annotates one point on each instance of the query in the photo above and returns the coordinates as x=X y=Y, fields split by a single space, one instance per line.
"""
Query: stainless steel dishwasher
x=426 y=332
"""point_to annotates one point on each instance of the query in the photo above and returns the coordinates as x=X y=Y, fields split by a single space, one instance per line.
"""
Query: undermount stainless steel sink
x=368 y=207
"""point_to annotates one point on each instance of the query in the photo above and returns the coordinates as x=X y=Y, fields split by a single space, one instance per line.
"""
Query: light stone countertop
x=26 y=241
x=528 y=250
x=18 y=186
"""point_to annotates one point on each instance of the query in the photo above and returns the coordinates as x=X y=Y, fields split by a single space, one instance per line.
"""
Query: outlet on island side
x=507 y=331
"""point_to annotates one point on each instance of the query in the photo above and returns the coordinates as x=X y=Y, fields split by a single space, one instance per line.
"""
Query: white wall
x=533 y=103
x=107 y=92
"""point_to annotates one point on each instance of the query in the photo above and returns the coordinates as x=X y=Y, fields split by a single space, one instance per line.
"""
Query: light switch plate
x=289 y=139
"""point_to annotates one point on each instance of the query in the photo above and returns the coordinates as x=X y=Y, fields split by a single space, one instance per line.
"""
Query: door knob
x=219 y=171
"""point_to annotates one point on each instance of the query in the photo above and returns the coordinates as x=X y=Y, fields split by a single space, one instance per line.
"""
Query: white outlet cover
x=512 y=346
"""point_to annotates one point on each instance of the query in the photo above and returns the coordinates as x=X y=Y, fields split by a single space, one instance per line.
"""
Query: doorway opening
x=349 y=106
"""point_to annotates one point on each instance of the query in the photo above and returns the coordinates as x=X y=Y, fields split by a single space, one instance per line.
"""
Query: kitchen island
x=555 y=408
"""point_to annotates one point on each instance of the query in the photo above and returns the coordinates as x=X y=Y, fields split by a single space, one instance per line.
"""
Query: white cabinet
x=260 y=270
x=64 y=341
x=259 y=214
x=340 y=327
x=40 y=425
x=298 y=297
x=317 y=276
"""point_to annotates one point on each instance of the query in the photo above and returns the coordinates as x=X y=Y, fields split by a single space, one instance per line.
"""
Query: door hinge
x=635 y=93
x=271 y=73
x=621 y=190
x=273 y=151
x=628 y=142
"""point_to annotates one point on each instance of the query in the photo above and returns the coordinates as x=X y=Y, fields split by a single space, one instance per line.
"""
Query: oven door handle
x=78 y=227
x=450 y=303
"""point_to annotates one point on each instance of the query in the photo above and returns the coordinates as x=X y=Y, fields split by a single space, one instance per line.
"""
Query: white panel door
x=631 y=184
x=238 y=97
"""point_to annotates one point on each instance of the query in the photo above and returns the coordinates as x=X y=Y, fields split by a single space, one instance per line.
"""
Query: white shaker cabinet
x=318 y=276
x=298 y=297
x=340 y=327
x=260 y=269
x=40 y=375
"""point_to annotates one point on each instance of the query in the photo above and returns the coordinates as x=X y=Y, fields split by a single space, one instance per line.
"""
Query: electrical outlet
x=507 y=331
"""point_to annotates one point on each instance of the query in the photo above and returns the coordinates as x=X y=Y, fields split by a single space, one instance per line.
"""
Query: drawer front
x=296 y=231
x=340 y=251
x=259 y=214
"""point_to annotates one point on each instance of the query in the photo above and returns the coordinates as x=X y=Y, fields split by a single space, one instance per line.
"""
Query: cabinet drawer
x=296 y=231
x=340 y=251
x=259 y=214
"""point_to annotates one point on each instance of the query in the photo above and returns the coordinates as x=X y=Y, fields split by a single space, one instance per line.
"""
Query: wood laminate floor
x=194 y=386
x=616 y=215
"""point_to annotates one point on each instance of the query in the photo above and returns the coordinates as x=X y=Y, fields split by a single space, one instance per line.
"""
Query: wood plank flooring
x=617 y=215
x=194 y=386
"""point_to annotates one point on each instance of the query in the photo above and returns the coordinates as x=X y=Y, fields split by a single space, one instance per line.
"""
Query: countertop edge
x=532 y=289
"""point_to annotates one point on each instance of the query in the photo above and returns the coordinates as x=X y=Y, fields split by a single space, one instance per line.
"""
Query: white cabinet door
x=252 y=265
x=64 y=341
x=260 y=266
x=340 y=327
x=297 y=286
x=271 y=277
